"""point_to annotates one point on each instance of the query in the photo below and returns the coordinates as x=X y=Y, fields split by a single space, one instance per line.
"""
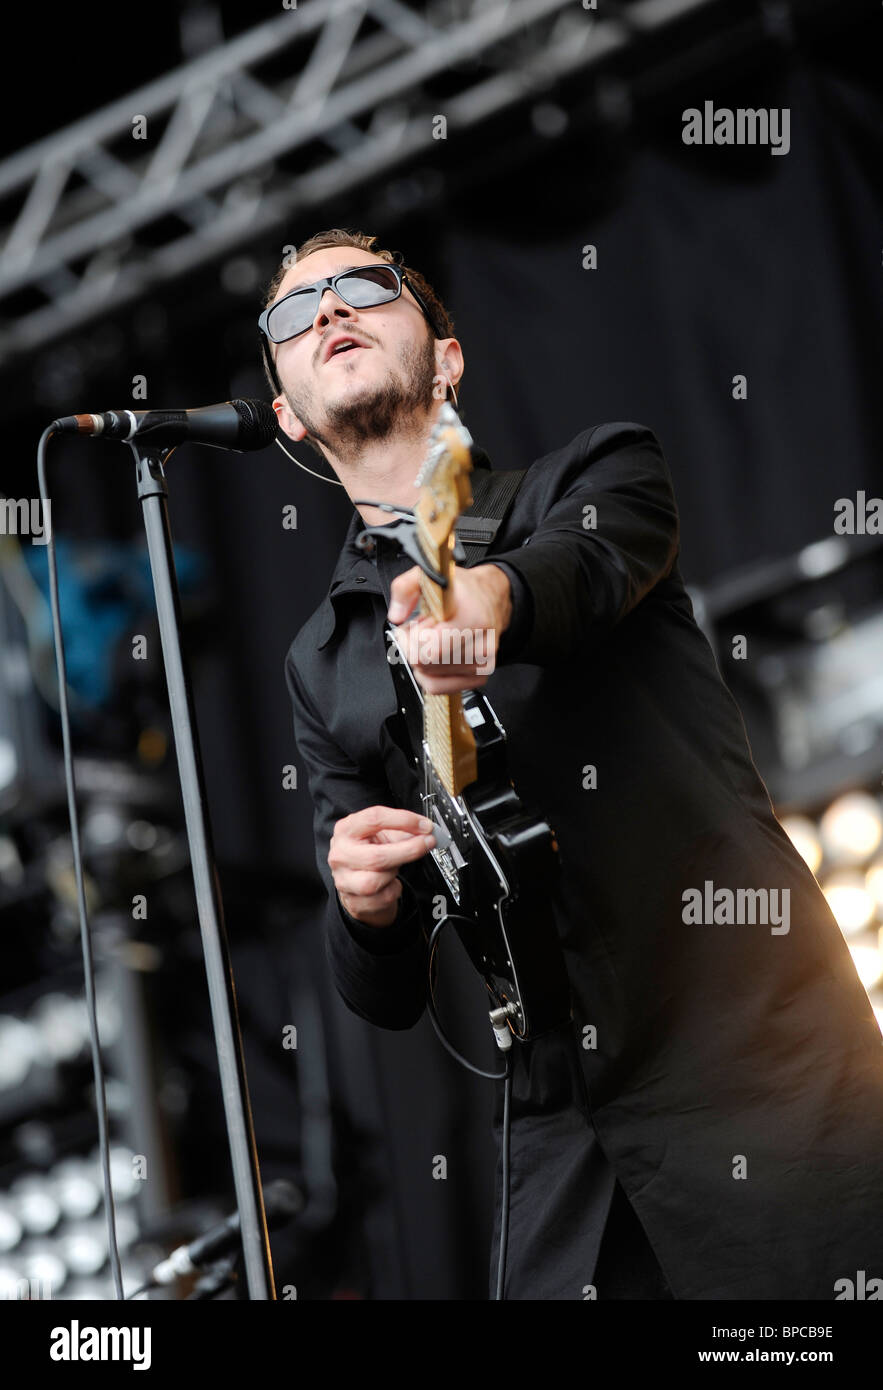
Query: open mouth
x=343 y=351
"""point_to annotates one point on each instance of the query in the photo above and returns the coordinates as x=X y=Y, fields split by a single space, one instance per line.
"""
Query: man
x=710 y=1124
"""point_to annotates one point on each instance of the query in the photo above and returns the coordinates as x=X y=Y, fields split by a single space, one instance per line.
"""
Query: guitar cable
x=505 y=1076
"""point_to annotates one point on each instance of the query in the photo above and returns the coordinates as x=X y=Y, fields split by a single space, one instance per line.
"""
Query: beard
x=396 y=406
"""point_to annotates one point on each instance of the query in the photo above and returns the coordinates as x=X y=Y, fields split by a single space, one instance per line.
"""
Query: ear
x=449 y=359
x=288 y=421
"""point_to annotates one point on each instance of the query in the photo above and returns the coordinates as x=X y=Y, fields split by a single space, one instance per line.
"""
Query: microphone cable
x=85 y=931
x=505 y=1076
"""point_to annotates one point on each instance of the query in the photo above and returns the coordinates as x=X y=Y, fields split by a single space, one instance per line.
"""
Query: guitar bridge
x=443 y=812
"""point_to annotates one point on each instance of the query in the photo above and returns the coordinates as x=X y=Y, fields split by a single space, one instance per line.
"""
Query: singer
x=710 y=1124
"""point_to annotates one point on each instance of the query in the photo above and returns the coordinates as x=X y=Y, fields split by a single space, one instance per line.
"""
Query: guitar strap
x=493 y=493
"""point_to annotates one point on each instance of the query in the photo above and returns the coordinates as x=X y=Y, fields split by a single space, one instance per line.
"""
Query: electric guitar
x=497 y=859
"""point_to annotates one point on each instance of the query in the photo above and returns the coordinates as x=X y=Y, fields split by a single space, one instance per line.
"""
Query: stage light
x=868 y=961
x=88 y=1291
x=849 y=900
x=103 y=827
x=852 y=828
x=11 y=1281
x=874 y=883
x=804 y=836
x=75 y=1188
x=107 y=1011
x=10 y=1227
x=61 y=1024
x=123 y=1182
x=18 y=1047
x=142 y=835
x=8 y=763
x=43 y=1267
x=127 y=1228
x=34 y=1204
x=83 y=1247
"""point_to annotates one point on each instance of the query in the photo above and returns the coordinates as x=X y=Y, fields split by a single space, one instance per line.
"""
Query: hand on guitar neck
x=481 y=611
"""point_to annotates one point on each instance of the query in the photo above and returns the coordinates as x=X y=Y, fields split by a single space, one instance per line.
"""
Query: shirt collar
x=354 y=572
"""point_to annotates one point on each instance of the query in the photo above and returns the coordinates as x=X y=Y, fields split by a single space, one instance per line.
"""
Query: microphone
x=282 y=1201
x=237 y=425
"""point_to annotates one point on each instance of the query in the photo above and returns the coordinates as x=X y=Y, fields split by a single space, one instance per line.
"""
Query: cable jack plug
x=502 y=1032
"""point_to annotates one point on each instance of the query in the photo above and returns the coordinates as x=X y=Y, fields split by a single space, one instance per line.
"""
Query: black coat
x=736 y=1084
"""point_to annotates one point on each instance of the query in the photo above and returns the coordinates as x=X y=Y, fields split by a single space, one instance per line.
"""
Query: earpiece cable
x=336 y=481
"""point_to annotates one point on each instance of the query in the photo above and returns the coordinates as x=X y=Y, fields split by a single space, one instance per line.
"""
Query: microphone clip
x=403 y=531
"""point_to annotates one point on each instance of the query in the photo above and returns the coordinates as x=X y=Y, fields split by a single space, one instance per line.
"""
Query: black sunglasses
x=362 y=287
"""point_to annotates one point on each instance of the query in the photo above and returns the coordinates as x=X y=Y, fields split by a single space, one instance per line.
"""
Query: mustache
x=359 y=337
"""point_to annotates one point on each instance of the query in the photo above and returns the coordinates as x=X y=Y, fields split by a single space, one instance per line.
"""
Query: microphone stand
x=153 y=495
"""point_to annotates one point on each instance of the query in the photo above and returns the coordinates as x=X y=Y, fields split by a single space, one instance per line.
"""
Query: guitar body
x=498 y=861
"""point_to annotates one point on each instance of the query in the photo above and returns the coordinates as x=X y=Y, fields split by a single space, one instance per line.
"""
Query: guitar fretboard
x=449 y=738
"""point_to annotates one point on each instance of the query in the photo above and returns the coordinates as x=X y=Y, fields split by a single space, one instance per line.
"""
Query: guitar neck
x=449 y=738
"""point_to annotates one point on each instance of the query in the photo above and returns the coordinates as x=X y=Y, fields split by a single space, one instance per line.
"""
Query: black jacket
x=736 y=1084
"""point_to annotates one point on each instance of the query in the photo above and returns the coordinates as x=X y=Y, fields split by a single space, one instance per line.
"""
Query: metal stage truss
x=341 y=90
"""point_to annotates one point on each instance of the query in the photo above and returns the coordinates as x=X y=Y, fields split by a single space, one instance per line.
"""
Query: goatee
x=376 y=412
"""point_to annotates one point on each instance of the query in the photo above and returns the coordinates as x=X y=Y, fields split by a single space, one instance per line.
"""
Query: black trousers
x=571 y=1226
x=626 y=1266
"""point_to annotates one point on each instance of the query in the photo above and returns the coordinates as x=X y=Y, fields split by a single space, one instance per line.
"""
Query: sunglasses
x=362 y=287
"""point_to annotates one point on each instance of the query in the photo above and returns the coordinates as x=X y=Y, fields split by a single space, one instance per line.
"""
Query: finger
x=409 y=633
x=448 y=685
x=358 y=905
x=404 y=593
x=392 y=837
x=445 y=668
x=360 y=855
x=365 y=883
x=452 y=649
x=363 y=824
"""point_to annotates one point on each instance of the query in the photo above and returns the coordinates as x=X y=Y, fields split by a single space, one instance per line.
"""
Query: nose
x=338 y=305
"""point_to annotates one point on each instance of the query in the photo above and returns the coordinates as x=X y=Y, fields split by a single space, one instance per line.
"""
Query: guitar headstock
x=444 y=478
